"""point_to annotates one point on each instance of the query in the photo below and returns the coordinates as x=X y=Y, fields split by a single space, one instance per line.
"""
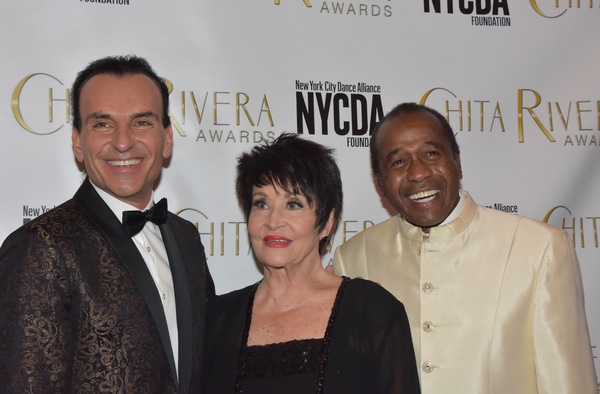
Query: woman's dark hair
x=118 y=66
x=298 y=166
x=404 y=109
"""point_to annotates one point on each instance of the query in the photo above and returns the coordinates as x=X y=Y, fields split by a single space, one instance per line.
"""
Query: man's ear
x=76 y=141
x=378 y=180
x=168 y=147
x=458 y=165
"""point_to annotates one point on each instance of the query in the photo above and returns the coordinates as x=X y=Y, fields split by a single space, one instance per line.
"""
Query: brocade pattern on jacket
x=73 y=318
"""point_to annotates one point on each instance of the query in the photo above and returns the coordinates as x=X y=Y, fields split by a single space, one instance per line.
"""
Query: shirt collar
x=453 y=214
x=457 y=209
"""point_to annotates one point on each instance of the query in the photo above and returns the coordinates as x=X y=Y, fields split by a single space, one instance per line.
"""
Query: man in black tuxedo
x=88 y=304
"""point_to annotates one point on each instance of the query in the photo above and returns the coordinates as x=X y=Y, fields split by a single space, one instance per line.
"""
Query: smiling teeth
x=424 y=196
x=124 y=163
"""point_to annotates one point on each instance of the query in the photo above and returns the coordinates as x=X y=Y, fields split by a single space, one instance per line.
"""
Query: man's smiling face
x=420 y=175
x=122 y=141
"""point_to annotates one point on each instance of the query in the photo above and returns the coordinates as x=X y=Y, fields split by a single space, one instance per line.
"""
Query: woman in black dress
x=302 y=329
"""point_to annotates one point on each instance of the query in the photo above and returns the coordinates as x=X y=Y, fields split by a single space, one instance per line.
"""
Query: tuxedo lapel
x=183 y=305
x=93 y=205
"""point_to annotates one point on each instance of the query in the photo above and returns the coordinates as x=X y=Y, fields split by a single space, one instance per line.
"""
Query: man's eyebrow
x=434 y=144
x=137 y=115
x=97 y=115
x=145 y=114
x=392 y=153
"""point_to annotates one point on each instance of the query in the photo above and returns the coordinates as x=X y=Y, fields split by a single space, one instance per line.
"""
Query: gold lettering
x=579 y=111
x=469 y=115
x=216 y=102
x=177 y=126
x=564 y=121
x=581 y=232
x=481 y=104
x=570 y=224
x=238 y=104
x=572 y=228
x=199 y=114
x=460 y=109
x=211 y=234
x=16 y=103
x=51 y=100
x=540 y=12
x=498 y=115
x=222 y=236
x=220 y=102
x=182 y=107
x=265 y=108
x=174 y=121
x=538 y=100
x=424 y=98
x=594 y=228
x=550 y=212
x=347 y=230
x=306 y=3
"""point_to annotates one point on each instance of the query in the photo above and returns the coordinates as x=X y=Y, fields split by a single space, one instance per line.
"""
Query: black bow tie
x=134 y=221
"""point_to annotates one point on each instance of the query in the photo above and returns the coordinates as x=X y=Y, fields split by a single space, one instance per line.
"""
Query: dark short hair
x=118 y=66
x=298 y=166
x=410 y=108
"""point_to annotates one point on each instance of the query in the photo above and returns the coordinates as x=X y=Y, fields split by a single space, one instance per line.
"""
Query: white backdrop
x=518 y=80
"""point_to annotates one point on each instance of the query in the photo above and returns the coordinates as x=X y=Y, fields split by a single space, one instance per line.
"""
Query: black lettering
x=305 y=113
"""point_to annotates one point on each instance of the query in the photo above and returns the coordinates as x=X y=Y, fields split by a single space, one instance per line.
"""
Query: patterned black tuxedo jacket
x=79 y=311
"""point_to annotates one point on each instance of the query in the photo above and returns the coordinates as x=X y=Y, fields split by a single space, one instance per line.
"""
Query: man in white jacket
x=494 y=300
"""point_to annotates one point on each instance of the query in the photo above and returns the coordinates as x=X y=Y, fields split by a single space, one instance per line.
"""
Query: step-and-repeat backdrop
x=519 y=81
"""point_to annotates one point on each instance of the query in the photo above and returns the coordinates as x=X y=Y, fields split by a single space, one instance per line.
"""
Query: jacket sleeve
x=35 y=355
x=561 y=342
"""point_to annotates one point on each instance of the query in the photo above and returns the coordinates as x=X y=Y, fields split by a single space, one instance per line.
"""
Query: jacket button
x=428 y=326
x=427 y=367
x=427 y=287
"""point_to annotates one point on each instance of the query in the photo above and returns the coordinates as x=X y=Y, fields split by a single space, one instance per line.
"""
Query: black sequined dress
x=367 y=348
x=293 y=367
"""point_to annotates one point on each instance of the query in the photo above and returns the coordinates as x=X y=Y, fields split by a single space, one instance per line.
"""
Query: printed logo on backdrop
x=40 y=105
x=31 y=212
x=115 y=2
x=573 y=123
x=486 y=13
x=508 y=208
x=212 y=116
x=582 y=228
x=220 y=238
x=377 y=8
x=348 y=110
x=552 y=9
x=37 y=100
